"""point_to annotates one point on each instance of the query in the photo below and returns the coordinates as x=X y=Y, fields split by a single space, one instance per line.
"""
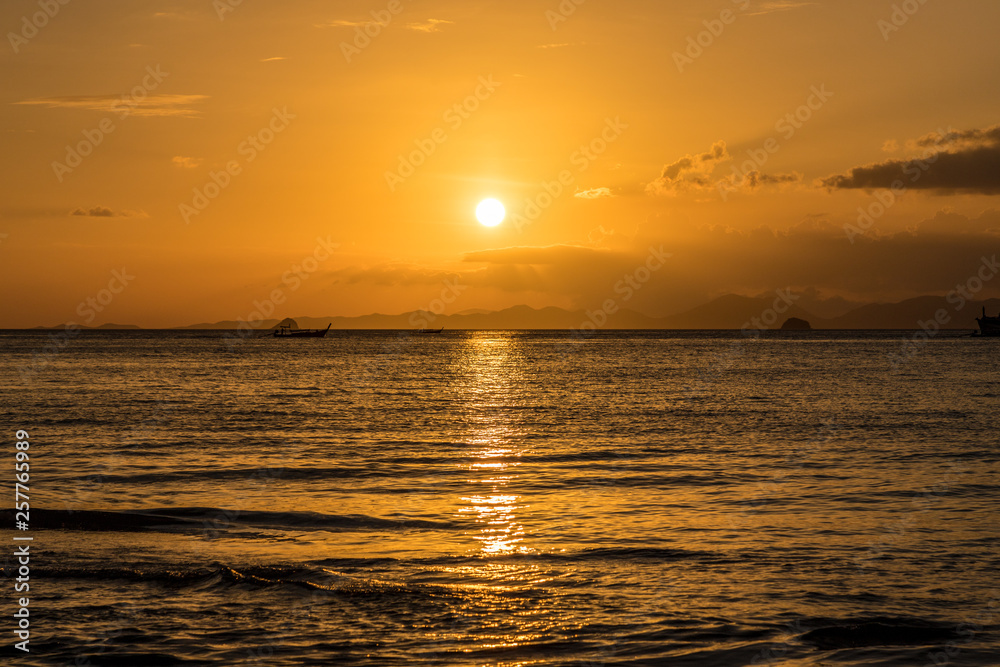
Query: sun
x=490 y=212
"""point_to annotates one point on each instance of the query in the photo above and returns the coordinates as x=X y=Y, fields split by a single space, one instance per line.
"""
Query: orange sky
x=305 y=125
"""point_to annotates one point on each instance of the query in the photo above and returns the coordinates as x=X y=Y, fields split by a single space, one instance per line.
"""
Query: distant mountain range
x=112 y=327
x=726 y=312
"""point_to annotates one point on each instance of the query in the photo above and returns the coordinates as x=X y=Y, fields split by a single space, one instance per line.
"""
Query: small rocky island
x=795 y=324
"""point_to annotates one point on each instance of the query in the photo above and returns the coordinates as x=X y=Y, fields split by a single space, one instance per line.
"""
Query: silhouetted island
x=795 y=324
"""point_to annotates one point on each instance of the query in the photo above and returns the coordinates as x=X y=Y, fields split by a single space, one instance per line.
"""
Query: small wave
x=221 y=577
x=217 y=520
x=635 y=554
x=76 y=421
x=224 y=575
x=303 y=520
x=167 y=577
x=878 y=631
x=93 y=520
x=230 y=474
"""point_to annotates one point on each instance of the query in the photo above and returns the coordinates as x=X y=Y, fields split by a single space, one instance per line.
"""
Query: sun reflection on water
x=492 y=368
x=501 y=532
x=489 y=376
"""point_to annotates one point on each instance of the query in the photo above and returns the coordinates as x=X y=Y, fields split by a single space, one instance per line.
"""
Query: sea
x=502 y=498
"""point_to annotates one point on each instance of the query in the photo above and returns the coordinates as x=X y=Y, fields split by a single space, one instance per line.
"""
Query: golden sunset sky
x=648 y=110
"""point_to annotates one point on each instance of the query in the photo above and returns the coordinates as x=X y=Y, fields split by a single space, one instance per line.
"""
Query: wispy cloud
x=594 y=193
x=341 y=23
x=105 y=212
x=554 y=46
x=176 y=16
x=430 y=25
x=600 y=235
x=771 y=6
x=182 y=162
x=270 y=60
x=152 y=105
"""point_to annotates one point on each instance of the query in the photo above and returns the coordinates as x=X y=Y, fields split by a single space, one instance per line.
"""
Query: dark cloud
x=953 y=162
x=987 y=137
x=816 y=256
x=95 y=212
x=695 y=174
x=756 y=179
x=949 y=223
x=549 y=255
x=931 y=258
x=389 y=275
x=691 y=172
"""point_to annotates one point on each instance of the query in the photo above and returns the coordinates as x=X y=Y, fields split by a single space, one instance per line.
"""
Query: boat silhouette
x=286 y=331
x=988 y=326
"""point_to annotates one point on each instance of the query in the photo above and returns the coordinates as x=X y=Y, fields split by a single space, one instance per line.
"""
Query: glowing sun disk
x=490 y=212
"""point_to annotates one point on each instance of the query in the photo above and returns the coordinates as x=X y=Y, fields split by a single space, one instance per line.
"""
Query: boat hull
x=989 y=326
x=302 y=333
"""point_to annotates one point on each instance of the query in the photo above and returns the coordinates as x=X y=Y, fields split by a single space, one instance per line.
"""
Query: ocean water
x=499 y=498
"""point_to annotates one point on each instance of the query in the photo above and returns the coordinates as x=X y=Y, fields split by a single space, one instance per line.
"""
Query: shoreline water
x=497 y=498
